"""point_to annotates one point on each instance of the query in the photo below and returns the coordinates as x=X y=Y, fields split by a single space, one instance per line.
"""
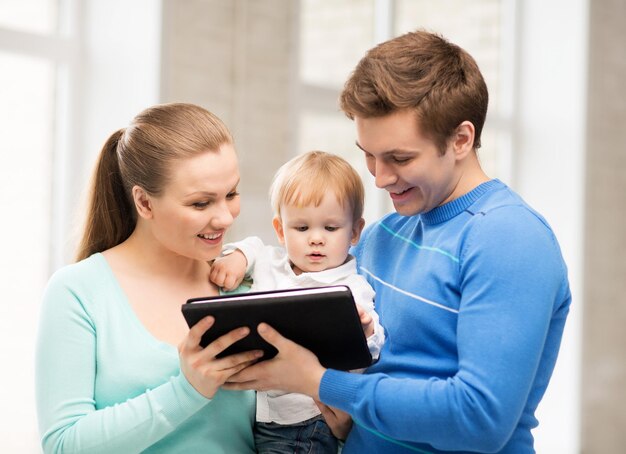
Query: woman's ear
x=142 y=202
x=463 y=140
x=357 y=228
x=277 y=223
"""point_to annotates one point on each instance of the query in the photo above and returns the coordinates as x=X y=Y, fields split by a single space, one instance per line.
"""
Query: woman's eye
x=200 y=205
x=232 y=195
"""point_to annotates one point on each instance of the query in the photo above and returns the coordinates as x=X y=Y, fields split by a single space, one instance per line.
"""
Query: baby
x=317 y=200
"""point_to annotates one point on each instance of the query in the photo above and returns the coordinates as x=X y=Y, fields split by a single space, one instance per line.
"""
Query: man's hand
x=338 y=421
x=294 y=369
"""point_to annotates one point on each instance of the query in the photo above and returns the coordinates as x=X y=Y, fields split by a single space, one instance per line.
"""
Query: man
x=470 y=283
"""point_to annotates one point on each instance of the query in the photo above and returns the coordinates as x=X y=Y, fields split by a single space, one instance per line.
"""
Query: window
x=334 y=35
x=34 y=56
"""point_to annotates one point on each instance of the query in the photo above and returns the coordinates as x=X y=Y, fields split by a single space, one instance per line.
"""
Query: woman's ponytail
x=110 y=217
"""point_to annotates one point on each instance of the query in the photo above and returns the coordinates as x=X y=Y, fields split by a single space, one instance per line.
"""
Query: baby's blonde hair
x=303 y=181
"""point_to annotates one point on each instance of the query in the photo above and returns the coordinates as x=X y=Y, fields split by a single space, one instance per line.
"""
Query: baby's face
x=317 y=237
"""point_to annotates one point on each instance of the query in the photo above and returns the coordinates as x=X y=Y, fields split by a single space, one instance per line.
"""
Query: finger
x=223 y=342
x=238 y=361
x=214 y=273
x=249 y=374
x=272 y=336
x=244 y=386
x=218 y=276
x=364 y=316
x=192 y=340
x=230 y=282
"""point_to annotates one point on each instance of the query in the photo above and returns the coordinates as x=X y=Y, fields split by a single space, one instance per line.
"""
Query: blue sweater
x=473 y=296
x=104 y=384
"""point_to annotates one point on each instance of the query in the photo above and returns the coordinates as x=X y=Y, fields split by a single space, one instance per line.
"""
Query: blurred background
x=72 y=72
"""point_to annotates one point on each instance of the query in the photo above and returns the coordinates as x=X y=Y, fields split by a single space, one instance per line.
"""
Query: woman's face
x=198 y=205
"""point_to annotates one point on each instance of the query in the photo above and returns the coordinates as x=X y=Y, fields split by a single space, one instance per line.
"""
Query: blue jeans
x=312 y=436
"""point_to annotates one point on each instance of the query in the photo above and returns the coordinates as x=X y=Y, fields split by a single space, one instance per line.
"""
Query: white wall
x=114 y=74
x=118 y=76
x=549 y=173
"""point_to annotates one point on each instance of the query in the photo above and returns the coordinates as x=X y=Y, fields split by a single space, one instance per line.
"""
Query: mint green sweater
x=104 y=384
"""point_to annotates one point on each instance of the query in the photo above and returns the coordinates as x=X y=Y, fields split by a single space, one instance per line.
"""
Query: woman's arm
x=71 y=420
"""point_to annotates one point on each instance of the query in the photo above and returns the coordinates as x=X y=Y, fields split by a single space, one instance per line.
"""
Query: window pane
x=334 y=132
x=37 y=16
x=475 y=29
x=334 y=35
x=26 y=91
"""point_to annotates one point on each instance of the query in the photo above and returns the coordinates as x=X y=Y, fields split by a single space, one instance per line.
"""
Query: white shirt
x=270 y=269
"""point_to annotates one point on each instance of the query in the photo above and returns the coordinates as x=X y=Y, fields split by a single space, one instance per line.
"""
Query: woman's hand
x=203 y=370
x=294 y=369
x=338 y=421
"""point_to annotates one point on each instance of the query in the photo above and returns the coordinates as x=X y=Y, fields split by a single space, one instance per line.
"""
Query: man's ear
x=277 y=223
x=357 y=228
x=143 y=203
x=463 y=140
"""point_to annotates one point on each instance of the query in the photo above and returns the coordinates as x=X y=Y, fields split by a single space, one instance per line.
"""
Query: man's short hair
x=425 y=73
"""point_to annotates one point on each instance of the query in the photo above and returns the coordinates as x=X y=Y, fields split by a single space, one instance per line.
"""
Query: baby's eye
x=331 y=228
x=301 y=228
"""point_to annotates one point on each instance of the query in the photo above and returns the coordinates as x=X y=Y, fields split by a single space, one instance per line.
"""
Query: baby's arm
x=229 y=270
x=237 y=261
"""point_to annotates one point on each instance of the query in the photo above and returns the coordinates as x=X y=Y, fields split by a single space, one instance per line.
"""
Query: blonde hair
x=142 y=154
x=305 y=179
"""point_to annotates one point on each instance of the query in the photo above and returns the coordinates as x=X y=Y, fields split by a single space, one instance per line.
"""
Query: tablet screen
x=321 y=319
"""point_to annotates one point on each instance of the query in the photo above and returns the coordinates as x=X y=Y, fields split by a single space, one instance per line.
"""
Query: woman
x=109 y=375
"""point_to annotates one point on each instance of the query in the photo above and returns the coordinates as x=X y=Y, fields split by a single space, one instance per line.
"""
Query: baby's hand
x=367 y=322
x=228 y=271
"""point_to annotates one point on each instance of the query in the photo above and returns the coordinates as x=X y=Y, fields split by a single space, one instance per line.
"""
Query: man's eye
x=399 y=160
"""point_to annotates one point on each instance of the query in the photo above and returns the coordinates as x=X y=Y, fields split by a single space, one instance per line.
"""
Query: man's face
x=406 y=164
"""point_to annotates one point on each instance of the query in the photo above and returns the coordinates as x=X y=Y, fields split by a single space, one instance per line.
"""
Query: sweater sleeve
x=511 y=282
x=70 y=419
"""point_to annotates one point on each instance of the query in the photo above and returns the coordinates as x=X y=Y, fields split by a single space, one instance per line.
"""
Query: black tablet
x=322 y=319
